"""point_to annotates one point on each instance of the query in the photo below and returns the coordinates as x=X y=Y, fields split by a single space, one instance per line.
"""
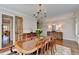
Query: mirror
x=7 y=30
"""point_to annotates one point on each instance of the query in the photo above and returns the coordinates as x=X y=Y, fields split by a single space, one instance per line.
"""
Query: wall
x=77 y=29
x=77 y=25
x=0 y=31
x=68 y=22
x=68 y=29
x=29 y=24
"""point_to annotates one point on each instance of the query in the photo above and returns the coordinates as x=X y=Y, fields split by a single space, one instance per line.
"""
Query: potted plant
x=39 y=32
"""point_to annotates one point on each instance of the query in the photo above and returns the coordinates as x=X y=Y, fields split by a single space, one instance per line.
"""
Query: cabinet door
x=18 y=27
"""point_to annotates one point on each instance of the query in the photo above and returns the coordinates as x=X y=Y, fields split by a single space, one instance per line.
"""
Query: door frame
x=18 y=35
x=10 y=16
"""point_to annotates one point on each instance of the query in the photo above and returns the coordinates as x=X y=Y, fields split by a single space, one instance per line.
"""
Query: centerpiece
x=39 y=32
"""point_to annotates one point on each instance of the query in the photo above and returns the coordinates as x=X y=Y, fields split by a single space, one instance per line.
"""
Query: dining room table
x=30 y=46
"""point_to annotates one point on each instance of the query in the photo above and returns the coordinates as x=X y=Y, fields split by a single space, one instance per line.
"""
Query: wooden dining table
x=28 y=47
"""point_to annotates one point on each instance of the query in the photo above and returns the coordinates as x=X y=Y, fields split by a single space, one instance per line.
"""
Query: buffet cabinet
x=58 y=35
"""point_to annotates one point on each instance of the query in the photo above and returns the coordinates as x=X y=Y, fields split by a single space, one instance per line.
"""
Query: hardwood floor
x=6 y=48
x=72 y=45
x=67 y=43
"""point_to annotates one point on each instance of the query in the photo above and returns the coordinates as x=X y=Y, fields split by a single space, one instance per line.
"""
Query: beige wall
x=0 y=31
x=29 y=23
x=77 y=25
x=68 y=22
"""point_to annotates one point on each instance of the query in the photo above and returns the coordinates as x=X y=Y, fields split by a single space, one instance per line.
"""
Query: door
x=7 y=30
x=18 y=27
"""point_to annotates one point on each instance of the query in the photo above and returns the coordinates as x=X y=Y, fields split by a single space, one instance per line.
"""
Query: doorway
x=18 y=27
x=7 y=30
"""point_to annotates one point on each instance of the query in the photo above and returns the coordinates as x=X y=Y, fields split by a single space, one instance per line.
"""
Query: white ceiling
x=52 y=9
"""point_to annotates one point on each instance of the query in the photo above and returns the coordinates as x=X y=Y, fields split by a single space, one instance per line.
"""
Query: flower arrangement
x=38 y=32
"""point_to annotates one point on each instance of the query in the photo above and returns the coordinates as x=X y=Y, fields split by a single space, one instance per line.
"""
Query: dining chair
x=42 y=48
x=51 y=44
x=46 y=47
x=54 y=36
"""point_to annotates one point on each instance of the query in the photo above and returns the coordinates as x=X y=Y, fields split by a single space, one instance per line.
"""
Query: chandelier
x=40 y=15
x=40 y=12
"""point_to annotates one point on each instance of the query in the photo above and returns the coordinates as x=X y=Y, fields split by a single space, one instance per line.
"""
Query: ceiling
x=52 y=9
